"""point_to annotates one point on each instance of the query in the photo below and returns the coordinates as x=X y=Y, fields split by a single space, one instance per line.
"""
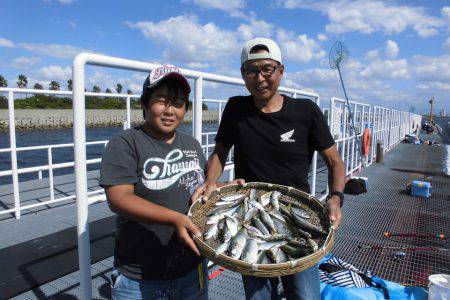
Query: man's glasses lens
x=265 y=71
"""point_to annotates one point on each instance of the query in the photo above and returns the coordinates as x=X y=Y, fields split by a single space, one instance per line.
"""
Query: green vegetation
x=53 y=102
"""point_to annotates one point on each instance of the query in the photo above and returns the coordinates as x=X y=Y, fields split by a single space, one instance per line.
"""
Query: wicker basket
x=198 y=212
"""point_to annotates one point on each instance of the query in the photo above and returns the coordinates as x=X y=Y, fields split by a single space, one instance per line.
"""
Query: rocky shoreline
x=34 y=119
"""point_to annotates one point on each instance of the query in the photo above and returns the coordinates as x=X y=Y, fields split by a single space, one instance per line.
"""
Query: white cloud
x=64 y=2
x=25 y=62
x=387 y=69
x=372 y=54
x=299 y=49
x=392 y=49
x=445 y=11
x=255 y=28
x=322 y=37
x=433 y=86
x=447 y=44
x=56 y=73
x=73 y=24
x=198 y=65
x=54 y=50
x=233 y=7
x=6 y=43
x=430 y=69
x=186 y=40
x=368 y=16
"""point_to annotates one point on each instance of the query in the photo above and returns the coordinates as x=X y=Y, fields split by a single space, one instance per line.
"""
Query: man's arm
x=214 y=168
x=124 y=202
x=336 y=181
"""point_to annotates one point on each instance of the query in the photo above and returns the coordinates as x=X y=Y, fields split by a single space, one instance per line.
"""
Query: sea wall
x=31 y=119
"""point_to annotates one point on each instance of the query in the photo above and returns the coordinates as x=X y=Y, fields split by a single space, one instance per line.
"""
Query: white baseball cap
x=163 y=72
x=274 y=51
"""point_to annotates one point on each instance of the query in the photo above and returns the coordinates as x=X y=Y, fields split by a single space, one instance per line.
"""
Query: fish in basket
x=262 y=229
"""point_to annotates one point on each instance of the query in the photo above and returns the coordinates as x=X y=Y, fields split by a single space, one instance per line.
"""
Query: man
x=274 y=138
x=149 y=173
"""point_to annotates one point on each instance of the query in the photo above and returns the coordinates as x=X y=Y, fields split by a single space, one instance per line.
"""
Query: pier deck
x=386 y=207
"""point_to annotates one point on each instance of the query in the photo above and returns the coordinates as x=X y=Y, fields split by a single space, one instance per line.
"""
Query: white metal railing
x=13 y=149
x=80 y=137
x=387 y=126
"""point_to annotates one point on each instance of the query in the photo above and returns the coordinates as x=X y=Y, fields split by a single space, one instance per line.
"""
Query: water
x=61 y=136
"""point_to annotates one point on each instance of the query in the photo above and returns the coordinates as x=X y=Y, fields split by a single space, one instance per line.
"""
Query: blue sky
x=399 y=50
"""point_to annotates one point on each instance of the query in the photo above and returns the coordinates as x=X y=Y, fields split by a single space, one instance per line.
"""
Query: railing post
x=314 y=166
x=128 y=113
x=79 y=135
x=13 y=146
x=197 y=109
x=50 y=173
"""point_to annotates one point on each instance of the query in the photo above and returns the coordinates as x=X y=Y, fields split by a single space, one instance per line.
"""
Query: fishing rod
x=440 y=236
x=379 y=247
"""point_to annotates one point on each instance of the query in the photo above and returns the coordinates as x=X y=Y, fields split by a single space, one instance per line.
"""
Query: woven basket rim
x=266 y=270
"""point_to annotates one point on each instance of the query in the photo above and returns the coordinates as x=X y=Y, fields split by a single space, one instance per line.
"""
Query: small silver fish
x=264 y=199
x=253 y=195
x=267 y=221
x=232 y=224
x=232 y=197
x=312 y=244
x=212 y=231
x=262 y=257
x=300 y=212
x=251 y=230
x=294 y=251
x=250 y=252
x=273 y=237
x=277 y=255
x=260 y=225
x=282 y=228
x=222 y=248
x=274 y=200
x=238 y=243
x=263 y=245
x=250 y=214
x=256 y=204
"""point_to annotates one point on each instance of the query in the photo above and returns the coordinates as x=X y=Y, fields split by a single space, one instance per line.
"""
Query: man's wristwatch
x=339 y=194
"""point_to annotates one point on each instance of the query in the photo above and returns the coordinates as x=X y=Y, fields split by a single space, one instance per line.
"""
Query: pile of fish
x=264 y=229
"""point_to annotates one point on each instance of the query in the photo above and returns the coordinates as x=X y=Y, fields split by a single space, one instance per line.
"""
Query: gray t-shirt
x=165 y=174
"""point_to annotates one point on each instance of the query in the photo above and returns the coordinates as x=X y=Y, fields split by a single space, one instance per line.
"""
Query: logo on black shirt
x=287 y=137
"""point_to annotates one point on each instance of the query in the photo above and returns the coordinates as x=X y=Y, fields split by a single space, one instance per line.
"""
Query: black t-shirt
x=165 y=174
x=274 y=147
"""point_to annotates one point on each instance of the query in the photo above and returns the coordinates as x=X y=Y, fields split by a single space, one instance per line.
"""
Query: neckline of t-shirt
x=174 y=142
x=280 y=111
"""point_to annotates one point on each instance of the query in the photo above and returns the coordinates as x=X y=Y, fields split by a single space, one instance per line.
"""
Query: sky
x=399 y=51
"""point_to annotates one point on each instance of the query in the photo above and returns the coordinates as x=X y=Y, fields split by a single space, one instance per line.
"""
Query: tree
x=22 y=81
x=129 y=92
x=95 y=89
x=54 y=85
x=119 y=88
x=108 y=91
x=38 y=86
x=69 y=84
x=3 y=82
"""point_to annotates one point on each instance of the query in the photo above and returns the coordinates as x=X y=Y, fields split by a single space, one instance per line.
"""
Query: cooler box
x=420 y=188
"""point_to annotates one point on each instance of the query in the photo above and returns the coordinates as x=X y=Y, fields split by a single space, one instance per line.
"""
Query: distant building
x=442 y=113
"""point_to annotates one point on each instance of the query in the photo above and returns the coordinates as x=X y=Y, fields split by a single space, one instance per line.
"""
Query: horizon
x=399 y=50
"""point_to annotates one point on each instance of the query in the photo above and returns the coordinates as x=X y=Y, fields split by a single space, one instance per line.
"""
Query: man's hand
x=185 y=229
x=333 y=208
